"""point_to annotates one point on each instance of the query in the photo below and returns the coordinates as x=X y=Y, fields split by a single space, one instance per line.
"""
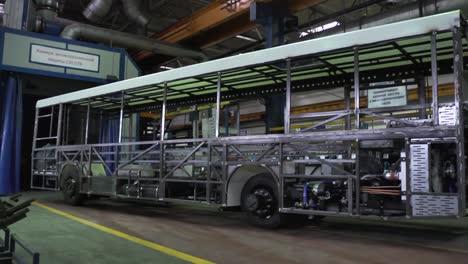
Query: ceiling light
x=319 y=28
x=166 y=67
x=246 y=38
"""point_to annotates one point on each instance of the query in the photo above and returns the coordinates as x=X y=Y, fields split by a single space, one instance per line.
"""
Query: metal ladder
x=46 y=177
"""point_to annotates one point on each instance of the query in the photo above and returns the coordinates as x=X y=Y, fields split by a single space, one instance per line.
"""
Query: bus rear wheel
x=69 y=183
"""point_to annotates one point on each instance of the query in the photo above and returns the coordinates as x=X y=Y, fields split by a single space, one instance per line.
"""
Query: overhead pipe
x=2 y=11
x=47 y=9
x=125 y=40
x=133 y=11
x=97 y=9
x=47 y=21
x=409 y=11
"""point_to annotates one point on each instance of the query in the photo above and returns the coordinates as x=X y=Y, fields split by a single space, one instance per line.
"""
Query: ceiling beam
x=216 y=22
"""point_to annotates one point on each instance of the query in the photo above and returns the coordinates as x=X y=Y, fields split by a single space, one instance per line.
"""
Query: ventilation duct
x=2 y=11
x=97 y=9
x=125 y=40
x=47 y=9
x=132 y=9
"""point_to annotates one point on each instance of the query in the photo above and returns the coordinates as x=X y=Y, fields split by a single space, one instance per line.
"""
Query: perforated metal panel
x=431 y=205
x=419 y=167
x=447 y=115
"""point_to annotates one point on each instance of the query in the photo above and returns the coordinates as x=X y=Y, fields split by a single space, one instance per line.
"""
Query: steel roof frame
x=415 y=27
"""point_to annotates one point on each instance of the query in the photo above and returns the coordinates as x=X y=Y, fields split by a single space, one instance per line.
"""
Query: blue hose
x=305 y=197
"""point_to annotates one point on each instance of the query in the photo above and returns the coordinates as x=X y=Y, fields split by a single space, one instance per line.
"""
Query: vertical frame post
x=218 y=104
x=281 y=178
x=163 y=113
x=117 y=151
x=408 y=194
x=356 y=88
x=88 y=114
x=225 y=172
x=162 y=182
x=287 y=106
x=238 y=119
x=422 y=95
x=51 y=124
x=58 y=143
x=459 y=118
x=67 y=131
x=358 y=180
x=347 y=99
x=226 y=121
x=122 y=101
x=59 y=124
x=36 y=124
x=208 y=172
x=435 y=80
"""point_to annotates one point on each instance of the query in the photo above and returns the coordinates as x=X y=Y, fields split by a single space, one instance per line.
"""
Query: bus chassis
x=410 y=168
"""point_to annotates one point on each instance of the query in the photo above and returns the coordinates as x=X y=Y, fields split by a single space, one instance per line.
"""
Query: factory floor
x=114 y=232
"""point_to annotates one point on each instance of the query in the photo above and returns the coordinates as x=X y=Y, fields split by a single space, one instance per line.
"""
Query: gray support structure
x=59 y=124
x=163 y=113
x=218 y=103
x=58 y=143
x=347 y=100
x=421 y=95
x=162 y=167
x=281 y=177
x=122 y=101
x=208 y=172
x=88 y=115
x=459 y=117
x=435 y=80
x=358 y=180
x=407 y=159
x=34 y=145
x=51 y=124
x=356 y=88
x=287 y=106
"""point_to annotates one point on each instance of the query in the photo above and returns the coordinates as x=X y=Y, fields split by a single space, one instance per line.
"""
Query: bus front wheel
x=69 y=183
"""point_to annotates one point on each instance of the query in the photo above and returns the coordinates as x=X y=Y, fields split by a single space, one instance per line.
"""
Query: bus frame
x=218 y=170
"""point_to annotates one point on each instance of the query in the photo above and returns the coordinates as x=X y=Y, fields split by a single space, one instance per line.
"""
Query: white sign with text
x=386 y=97
x=64 y=58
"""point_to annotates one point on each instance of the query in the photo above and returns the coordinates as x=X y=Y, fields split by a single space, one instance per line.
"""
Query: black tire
x=259 y=199
x=69 y=184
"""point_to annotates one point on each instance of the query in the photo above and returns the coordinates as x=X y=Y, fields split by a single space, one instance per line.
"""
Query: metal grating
x=431 y=205
x=447 y=115
x=419 y=158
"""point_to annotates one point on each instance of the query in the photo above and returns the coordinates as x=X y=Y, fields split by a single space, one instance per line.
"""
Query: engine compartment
x=383 y=175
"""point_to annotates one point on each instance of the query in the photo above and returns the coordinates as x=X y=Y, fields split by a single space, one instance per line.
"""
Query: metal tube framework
x=220 y=156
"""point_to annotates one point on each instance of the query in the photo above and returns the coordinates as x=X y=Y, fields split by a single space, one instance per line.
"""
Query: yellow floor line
x=146 y=243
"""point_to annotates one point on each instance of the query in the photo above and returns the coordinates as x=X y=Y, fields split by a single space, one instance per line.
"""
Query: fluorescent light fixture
x=246 y=38
x=319 y=28
x=166 y=67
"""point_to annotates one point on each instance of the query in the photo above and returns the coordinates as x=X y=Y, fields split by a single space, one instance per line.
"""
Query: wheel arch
x=64 y=166
x=240 y=175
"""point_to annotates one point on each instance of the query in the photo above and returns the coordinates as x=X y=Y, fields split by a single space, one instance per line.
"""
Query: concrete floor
x=224 y=237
